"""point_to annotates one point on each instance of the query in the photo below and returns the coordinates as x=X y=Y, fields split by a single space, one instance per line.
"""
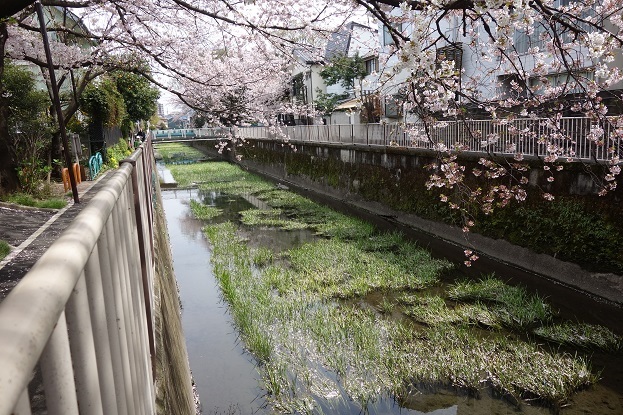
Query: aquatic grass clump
x=419 y=262
x=262 y=256
x=457 y=356
x=587 y=336
x=323 y=220
x=525 y=371
x=340 y=269
x=514 y=307
x=478 y=314
x=432 y=310
x=178 y=152
x=487 y=288
x=218 y=176
x=204 y=212
x=345 y=227
x=294 y=204
x=232 y=267
x=269 y=217
x=382 y=242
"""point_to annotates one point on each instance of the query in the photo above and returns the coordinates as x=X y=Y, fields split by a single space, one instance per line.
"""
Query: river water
x=226 y=376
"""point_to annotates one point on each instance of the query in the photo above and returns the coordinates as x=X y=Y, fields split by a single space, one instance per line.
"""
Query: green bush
x=118 y=152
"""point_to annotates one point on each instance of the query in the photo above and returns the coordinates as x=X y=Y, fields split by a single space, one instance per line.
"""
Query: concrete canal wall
x=174 y=390
x=390 y=182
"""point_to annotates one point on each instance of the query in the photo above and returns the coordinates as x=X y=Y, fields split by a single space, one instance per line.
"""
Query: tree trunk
x=9 y=180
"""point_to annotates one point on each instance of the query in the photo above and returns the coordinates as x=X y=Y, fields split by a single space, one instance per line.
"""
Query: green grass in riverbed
x=313 y=346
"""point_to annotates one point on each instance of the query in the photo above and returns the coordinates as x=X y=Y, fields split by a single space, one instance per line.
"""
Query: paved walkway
x=31 y=231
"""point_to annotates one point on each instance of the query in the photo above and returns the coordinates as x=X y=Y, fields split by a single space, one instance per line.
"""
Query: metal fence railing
x=570 y=138
x=83 y=313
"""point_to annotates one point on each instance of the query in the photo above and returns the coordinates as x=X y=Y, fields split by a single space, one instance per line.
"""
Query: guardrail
x=575 y=138
x=191 y=133
x=84 y=311
x=572 y=138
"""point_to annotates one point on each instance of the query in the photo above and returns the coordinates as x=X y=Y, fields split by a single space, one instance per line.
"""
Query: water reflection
x=225 y=375
x=165 y=174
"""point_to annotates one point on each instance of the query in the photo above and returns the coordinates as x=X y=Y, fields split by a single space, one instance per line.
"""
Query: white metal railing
x=190 y=133
x=84 y=310
x=571 y=138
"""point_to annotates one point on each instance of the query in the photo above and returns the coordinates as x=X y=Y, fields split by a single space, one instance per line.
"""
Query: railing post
x=23 y=404
x=97 y=308
x=114 y=251
x=83 y=350
x=137 y=296
x=58 y=375
x=114 y=317
x=385 y=135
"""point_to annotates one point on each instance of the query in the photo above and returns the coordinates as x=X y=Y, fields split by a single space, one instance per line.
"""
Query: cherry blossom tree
x=446 y=60
x=509 y=61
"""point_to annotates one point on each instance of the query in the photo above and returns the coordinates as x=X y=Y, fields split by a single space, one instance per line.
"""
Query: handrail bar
x=48 y=310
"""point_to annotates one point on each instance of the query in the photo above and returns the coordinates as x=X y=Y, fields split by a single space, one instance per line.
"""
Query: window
x=522 y=41
x=299 y=90
x=387 y=36
x=574 y=83
x=452 y=53
x=393 y=107
x=372 y=65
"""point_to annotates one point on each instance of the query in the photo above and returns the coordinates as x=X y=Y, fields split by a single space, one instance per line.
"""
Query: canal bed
x=227 y=377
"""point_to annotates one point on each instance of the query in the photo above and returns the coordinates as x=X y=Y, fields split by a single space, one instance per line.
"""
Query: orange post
x=65 y=175
x=76 y=168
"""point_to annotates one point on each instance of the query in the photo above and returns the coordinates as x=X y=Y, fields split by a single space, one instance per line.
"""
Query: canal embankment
x=390 y=183
x=332 y=321
x=174 y=388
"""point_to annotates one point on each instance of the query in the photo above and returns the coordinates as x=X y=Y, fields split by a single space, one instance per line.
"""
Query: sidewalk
x=31 y=231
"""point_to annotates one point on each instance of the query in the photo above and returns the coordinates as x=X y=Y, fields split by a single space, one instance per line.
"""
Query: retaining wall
x=390 y=182
x=174 y=390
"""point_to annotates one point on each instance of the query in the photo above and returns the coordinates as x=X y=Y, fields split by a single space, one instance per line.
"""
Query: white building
x=483 y=73
x=352 y=40
x=306 y=85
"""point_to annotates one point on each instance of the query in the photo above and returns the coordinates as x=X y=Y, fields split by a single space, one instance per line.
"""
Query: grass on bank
x=318 y=351
x=25 y=199
x=4 y=249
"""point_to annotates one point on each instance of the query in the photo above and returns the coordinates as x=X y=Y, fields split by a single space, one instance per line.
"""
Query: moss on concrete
x=584 y=229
